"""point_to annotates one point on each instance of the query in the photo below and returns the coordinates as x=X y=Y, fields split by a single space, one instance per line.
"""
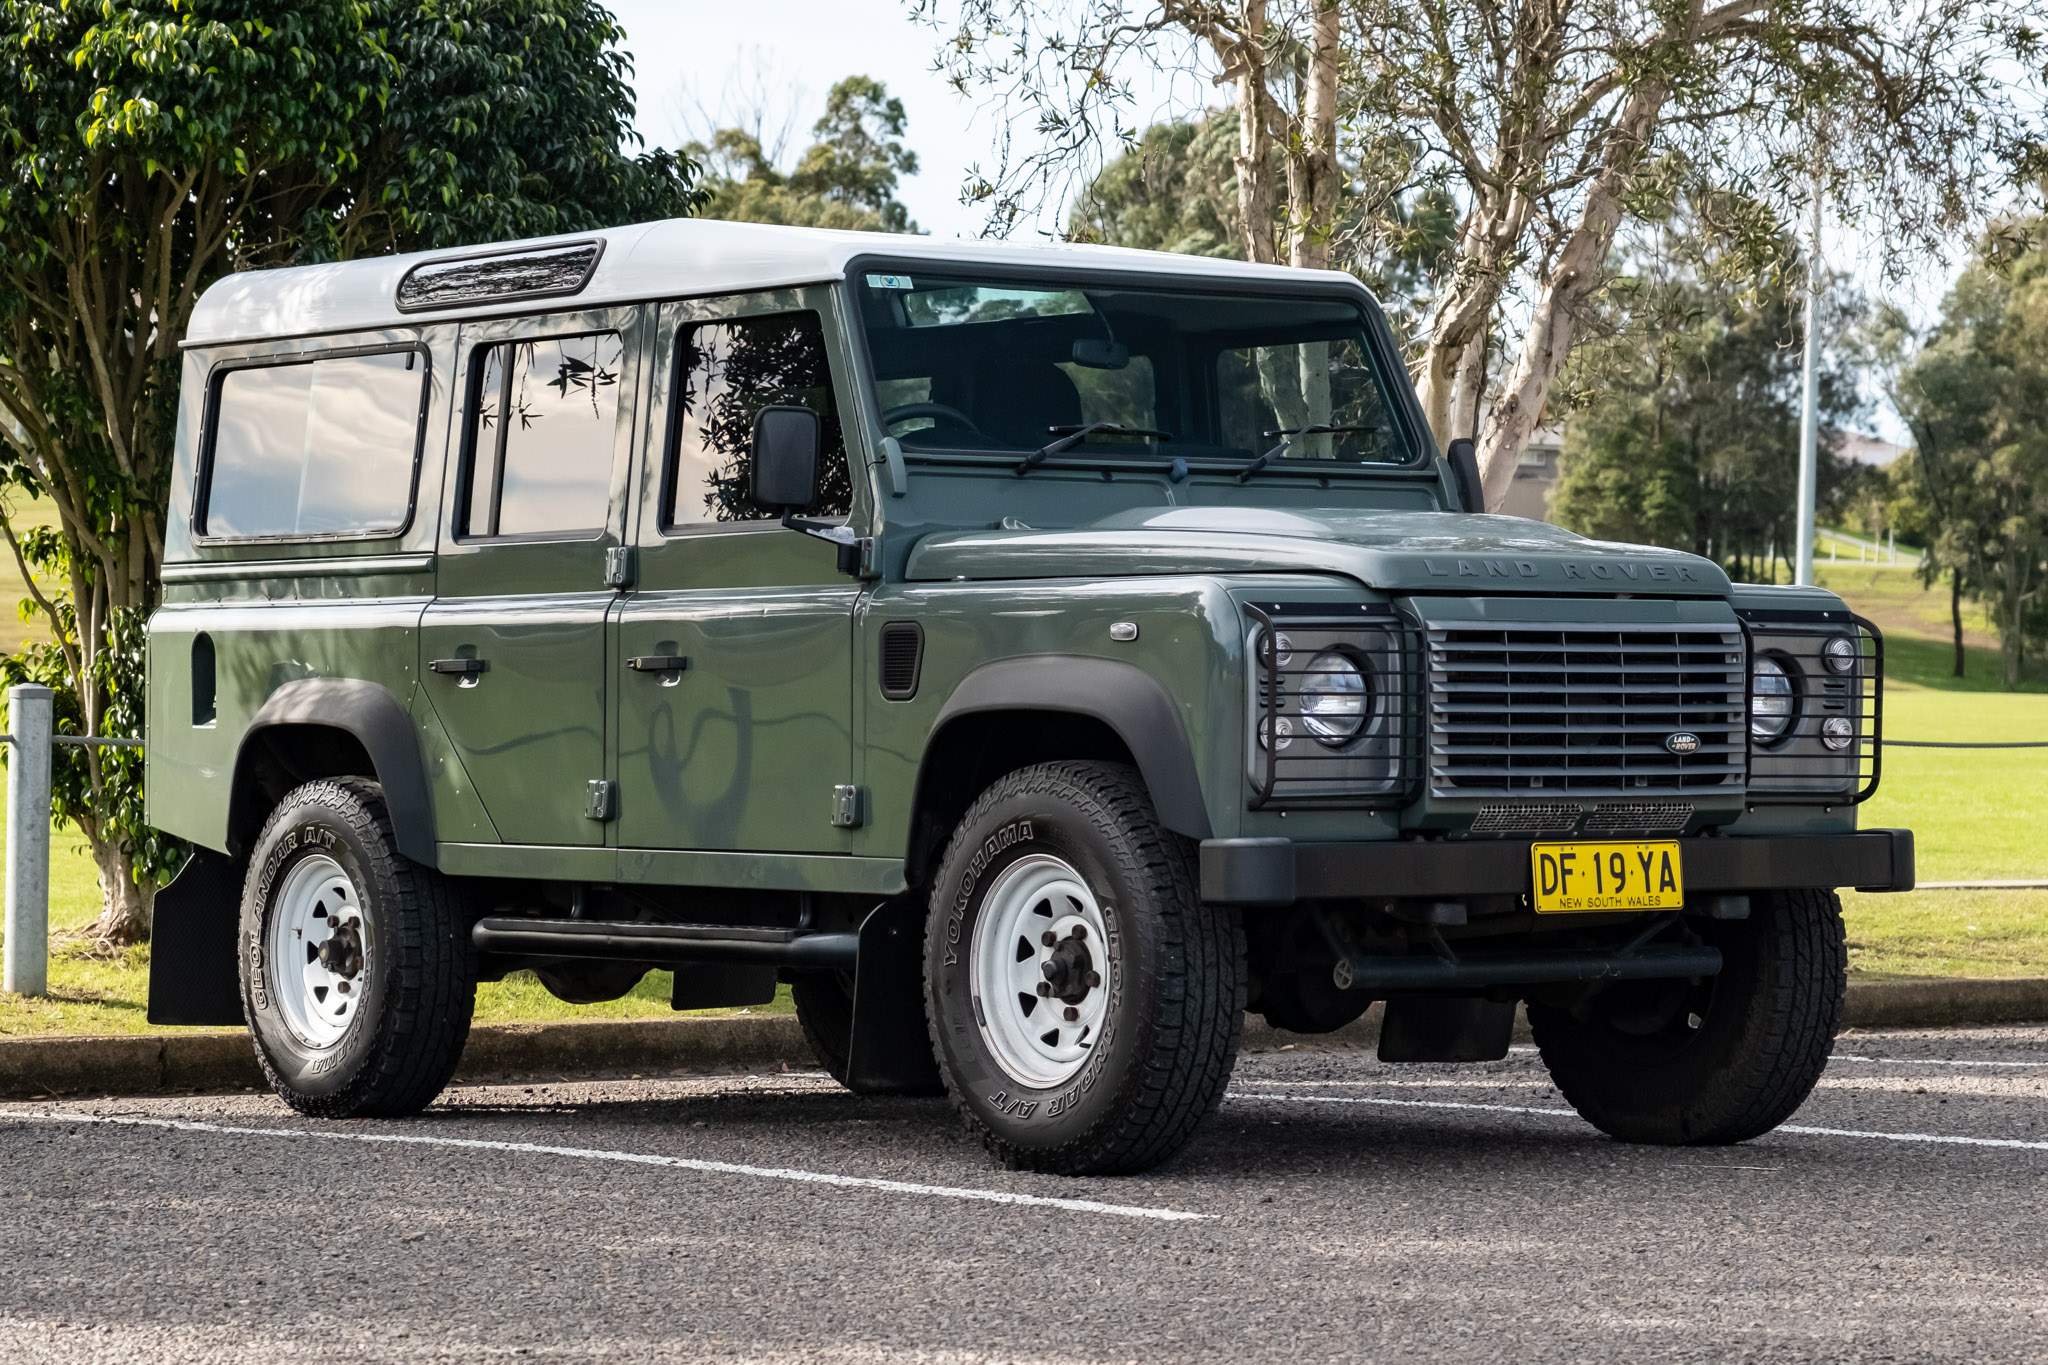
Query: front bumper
x=1281 y=872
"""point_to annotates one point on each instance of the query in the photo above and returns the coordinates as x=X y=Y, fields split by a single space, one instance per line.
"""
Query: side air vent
x=902 y=659
x=549 y=272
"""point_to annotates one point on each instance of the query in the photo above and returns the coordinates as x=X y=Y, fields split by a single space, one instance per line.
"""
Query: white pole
x=27 y=969
x=1809 y=415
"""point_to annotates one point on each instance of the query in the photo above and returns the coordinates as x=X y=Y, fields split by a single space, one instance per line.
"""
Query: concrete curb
x=220 y=1059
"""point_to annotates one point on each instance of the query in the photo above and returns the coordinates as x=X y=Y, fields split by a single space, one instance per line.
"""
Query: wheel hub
x=1068 y=967
x=342 y=954
x=1040 y=960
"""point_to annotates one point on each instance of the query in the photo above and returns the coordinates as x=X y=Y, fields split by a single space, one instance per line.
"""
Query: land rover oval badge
x=1684 y=742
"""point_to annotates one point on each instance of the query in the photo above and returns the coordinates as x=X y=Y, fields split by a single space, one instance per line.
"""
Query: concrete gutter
x=220 y=1060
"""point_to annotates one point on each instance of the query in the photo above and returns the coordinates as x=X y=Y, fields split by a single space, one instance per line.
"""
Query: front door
x=736 y=651
x=514 y=644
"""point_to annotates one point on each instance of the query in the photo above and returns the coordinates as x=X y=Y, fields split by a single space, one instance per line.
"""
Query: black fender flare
x=1122 y=696
x=375 y=717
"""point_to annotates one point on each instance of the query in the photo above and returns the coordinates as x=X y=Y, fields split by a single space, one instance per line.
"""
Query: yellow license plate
x=1586 y=877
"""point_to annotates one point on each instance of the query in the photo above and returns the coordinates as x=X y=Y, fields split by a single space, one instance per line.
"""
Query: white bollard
x=29 y=712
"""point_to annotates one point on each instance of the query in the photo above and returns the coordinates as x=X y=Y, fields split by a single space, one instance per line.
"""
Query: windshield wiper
x=1313 y=429
x=1069 y=437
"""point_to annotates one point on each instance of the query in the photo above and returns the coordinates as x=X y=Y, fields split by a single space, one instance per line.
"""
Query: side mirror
x=1464 y=458
x=785 y=458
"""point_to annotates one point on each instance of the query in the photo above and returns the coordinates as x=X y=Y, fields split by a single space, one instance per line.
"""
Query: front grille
x=1527 y=817
x=1569 y=710
x=1639 y=817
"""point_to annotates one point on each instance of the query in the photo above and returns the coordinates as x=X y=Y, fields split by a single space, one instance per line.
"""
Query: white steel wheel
x=1040 y=955
x=320 y=952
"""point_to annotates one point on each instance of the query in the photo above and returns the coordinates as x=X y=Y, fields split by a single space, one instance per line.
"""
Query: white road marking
x=629 y=1158
x=1924 y=1061
x=1407 y=1104
x=1946 y=1139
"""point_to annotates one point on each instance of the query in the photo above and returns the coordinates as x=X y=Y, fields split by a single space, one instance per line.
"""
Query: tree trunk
x=1955 y=616
x=126 y=909
x=1254 y=165
x=1547 y=342
x=1312 y=214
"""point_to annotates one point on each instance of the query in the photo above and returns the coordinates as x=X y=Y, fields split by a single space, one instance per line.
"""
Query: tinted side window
x=543 y=421
x=726 y=373
x=319 y=447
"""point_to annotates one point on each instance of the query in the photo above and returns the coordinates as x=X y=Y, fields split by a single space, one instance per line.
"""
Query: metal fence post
x=29 y=716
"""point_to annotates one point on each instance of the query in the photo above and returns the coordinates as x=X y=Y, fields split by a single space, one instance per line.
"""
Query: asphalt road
x=1335 y=1209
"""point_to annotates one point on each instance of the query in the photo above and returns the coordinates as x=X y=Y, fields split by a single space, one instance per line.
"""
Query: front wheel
x=356 y=979
x=1085 y=1004
x=1720 y=1060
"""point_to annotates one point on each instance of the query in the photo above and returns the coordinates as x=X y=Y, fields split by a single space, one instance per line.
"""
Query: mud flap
x=193 y=975
x=891 y=1049
x=1439 y=1029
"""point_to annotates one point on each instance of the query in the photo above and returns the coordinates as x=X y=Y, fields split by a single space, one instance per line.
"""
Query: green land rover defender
x=1035 y=657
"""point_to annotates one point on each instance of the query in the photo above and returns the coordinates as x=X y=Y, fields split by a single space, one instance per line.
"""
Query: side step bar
x=1422 y=973
x=633 y=941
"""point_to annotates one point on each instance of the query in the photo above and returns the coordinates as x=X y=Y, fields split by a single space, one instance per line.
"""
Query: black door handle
x=459 y=666
x=657 y=663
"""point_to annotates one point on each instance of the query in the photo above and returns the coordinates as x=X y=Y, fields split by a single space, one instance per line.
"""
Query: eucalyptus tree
x=147 y=147
x=1974 y=395
x=1549 y=122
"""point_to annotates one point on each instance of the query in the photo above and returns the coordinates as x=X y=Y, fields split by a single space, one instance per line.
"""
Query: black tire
x=1634 y=1065
x=415 y=985
x=824 y=1010
x=1172 y=976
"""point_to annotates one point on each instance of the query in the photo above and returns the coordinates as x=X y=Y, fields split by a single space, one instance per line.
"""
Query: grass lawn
x=23 y=513
x=1977 y=814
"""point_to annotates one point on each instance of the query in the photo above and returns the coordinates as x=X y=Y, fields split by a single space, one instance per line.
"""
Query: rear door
x=514 y=644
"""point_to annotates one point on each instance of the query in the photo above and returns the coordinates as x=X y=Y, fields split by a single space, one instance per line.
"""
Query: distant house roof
x=1854 y=445
x=669 y=259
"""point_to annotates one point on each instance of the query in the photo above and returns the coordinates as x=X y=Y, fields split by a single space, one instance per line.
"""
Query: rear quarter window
x=314 y=447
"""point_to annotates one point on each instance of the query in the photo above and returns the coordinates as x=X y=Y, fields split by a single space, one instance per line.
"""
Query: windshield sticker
x=890 y=282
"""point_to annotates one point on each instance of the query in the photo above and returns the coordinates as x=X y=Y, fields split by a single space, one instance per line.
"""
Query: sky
x=689 y=54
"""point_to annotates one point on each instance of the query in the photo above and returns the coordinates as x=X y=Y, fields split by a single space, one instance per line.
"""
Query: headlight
x=1841 y=654
x=1837 y=732
x=1771 y=700
x=1333 y=698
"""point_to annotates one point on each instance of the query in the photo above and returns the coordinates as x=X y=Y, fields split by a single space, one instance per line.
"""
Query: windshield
x=1001 y=366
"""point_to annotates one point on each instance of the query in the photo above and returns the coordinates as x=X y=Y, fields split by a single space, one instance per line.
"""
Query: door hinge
x=600 y=799
x=849 y=807
x=620 y=566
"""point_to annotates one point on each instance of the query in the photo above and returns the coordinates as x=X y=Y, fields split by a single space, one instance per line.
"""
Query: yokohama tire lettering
x=1009 y=836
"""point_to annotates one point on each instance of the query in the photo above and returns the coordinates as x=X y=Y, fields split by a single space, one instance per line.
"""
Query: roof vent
x=549 y=272
x=902 y=659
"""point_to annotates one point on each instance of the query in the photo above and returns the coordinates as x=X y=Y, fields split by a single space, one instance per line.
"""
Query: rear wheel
x=357 y=981
x=1085 y=1003
x=1720 y=1060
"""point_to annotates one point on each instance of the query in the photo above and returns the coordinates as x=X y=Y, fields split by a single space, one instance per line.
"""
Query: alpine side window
x=322 y=447
x=726 y=372
x=543 y=422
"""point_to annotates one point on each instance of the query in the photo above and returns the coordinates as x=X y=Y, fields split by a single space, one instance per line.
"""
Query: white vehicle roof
x=669 y=259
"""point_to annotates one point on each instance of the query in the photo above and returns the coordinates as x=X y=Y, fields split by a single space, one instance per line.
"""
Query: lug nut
x=1048 y=938
x=1072 y=1014
x=1095 y=978
x=1080 y=932
x=1045 y=988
